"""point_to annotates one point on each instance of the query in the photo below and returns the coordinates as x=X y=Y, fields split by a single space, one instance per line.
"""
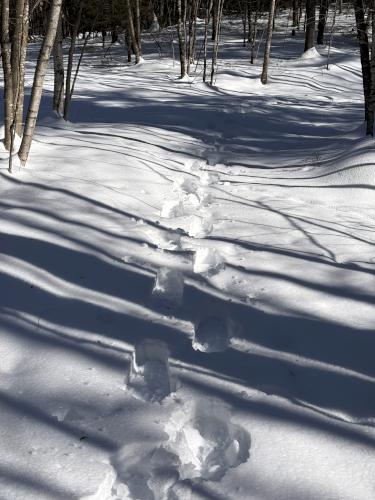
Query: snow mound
x=197 y=165
x=185 y=185
x=200 y=227
x=4 y=154
x=165 y=240
x=172 y=208
x=149 y=377
x=205 y=197
x=237 y=82
x=148 y=474
x=206 y=441
x=207 y=261
x=169 y=287
x=209 y=178
x=213 y=334
x=106 y=489
x=311 y=54
x=185 y=79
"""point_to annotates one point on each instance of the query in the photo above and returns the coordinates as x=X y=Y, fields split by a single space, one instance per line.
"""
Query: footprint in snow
x=149 y=376
x=214 y=334
x=168 y=287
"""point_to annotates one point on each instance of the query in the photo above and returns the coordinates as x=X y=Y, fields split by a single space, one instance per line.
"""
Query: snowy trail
x=188 y=288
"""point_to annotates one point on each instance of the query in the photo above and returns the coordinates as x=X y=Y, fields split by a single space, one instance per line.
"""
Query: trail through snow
x=188 y=284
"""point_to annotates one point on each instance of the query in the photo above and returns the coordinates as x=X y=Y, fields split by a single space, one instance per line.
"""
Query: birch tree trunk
x=7 y=72
x=18 y=59
x=40 y=73
x=267 y=50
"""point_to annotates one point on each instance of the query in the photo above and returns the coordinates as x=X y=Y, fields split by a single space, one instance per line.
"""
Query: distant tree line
x=59 y=23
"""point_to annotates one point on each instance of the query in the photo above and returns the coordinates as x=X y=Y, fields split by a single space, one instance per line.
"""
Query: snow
x=187 y=283
x=207 y=260
x=169 y=286
x=311 y=54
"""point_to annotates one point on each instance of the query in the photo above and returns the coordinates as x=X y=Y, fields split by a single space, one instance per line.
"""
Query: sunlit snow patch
x=149 y=376
x=168 y=287
x=311 y=54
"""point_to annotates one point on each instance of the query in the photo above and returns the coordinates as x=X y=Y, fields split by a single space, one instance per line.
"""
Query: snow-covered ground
x=188 y=284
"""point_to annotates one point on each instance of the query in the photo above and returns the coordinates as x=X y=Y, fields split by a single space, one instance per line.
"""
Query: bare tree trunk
x=18 y=59
x=207 y=22
x=132 y=33
x=310 y=25
x=372 y=69
x=254 y=34
x=192 y=32
x=73 y=39
x=40 y=72
x=365 y=62
x=323 y=11
x=138 y=25
x=181 y=30
x=267 y=50
x=295 y=17
x=215 y=51
x=7 y=71
x=59 y=76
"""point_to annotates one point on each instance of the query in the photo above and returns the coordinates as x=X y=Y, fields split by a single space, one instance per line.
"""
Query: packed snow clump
x=311 y=54
x=169 y=286
x=205 y=440
x=207 y=261
x=200 y=227
x=172 y=208
x=209 y=178
x=185 y=185
x=149 y=376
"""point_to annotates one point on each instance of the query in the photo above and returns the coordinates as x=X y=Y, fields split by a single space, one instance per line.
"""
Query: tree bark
x=181 y=30
x=18 y=59
x=132 y=33
x=323 y=11
x=267 y=50
x=310 y=25
x=215 y=51
x=59 y=74
x=7 y=72
x=207 y=22
x=73 y=39
x=40 y=73
x=365 y=62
